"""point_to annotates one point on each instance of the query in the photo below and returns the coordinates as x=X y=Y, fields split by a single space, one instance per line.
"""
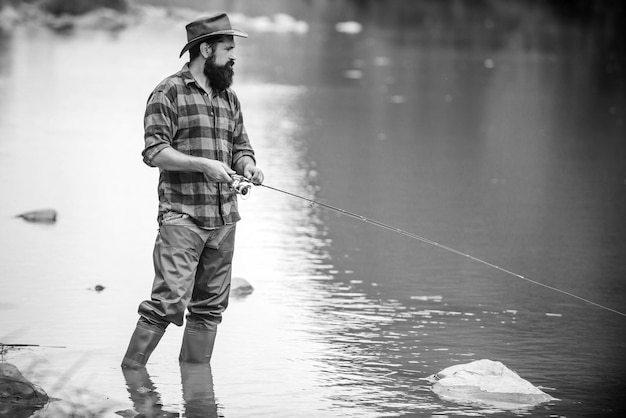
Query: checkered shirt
x=181 y=115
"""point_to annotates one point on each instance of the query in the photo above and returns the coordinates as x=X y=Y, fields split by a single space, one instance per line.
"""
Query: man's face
x=224 y=52
x=218 y=67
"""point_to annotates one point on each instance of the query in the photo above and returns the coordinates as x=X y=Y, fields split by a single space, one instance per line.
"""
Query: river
x=499 y=135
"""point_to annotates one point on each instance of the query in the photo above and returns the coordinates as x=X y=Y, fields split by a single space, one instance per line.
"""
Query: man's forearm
x=171 y=160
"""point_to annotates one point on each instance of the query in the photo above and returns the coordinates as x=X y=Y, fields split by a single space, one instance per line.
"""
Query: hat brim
x=233 y=32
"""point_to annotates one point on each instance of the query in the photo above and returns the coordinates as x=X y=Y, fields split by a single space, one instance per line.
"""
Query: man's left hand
x=253 y=173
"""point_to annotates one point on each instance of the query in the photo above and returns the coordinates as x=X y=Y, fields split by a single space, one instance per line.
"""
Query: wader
x=192 y=271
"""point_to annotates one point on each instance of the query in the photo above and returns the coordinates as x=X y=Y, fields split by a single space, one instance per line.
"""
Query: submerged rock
x=18 y=396
x=487 y=382
x=239 y=287
x=41 y=216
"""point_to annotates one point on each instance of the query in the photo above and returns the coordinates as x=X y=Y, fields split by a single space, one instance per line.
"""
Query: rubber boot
x=142 y=344
x=197 y=345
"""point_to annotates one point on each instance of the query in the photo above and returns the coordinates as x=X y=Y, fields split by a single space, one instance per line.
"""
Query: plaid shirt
x=181 y=115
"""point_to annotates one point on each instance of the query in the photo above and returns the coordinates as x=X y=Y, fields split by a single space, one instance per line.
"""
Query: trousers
x=192 y=269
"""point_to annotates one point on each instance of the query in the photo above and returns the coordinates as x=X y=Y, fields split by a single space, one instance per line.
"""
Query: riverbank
x=64 y=16
x=100 y=16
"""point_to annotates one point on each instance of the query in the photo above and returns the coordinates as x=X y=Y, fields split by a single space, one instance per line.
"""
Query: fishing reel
x=241 y=185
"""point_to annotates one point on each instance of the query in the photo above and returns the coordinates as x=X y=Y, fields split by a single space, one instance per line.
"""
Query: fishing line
x=438 y=245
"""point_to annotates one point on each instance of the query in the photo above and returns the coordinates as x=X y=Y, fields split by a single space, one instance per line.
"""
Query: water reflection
x=146 y=400
x=197 y=392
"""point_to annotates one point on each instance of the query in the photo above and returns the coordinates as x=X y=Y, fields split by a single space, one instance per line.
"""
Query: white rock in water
x=487 y=382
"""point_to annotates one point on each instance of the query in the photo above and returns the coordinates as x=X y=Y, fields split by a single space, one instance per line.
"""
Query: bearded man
x=194 y=134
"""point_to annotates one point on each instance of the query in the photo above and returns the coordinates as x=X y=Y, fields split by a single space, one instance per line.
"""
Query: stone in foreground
x=487 y=382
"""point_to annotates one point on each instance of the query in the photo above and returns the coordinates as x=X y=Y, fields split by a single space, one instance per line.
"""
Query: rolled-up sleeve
x=241 y=143
x=160 y=125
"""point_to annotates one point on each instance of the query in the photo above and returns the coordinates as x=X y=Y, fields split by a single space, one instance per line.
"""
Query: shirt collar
x=188 y=79
x=185 y=74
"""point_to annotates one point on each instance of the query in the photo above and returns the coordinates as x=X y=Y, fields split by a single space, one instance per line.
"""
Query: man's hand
x=217 y=171
x=253 y=173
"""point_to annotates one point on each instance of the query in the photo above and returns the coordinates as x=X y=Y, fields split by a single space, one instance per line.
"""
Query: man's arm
x=171 y=160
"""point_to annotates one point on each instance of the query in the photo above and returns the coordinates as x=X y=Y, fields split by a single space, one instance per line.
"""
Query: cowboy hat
x=205 y=27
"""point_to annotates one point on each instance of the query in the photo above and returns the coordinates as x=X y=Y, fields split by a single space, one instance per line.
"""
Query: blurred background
x=495 y=127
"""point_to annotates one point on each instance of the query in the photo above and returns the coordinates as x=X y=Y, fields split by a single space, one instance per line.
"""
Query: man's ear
x=205 y=50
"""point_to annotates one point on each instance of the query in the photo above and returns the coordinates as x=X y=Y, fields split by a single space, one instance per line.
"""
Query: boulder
x=18 y=396
x=487 y=382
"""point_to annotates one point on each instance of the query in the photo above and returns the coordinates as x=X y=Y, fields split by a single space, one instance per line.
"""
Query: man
x=194 y=134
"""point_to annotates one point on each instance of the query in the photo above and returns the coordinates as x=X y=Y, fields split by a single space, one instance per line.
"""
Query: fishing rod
x=31 y=345
x=5 y=348
x=242 y=186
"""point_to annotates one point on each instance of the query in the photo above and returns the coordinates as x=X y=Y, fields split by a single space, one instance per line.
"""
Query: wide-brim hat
x=206 y=27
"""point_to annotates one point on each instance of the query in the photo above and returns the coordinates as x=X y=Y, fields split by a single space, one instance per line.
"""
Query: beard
x=220 y=77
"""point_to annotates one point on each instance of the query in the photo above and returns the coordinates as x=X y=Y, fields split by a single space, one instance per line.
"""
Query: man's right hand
x=217 y=171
